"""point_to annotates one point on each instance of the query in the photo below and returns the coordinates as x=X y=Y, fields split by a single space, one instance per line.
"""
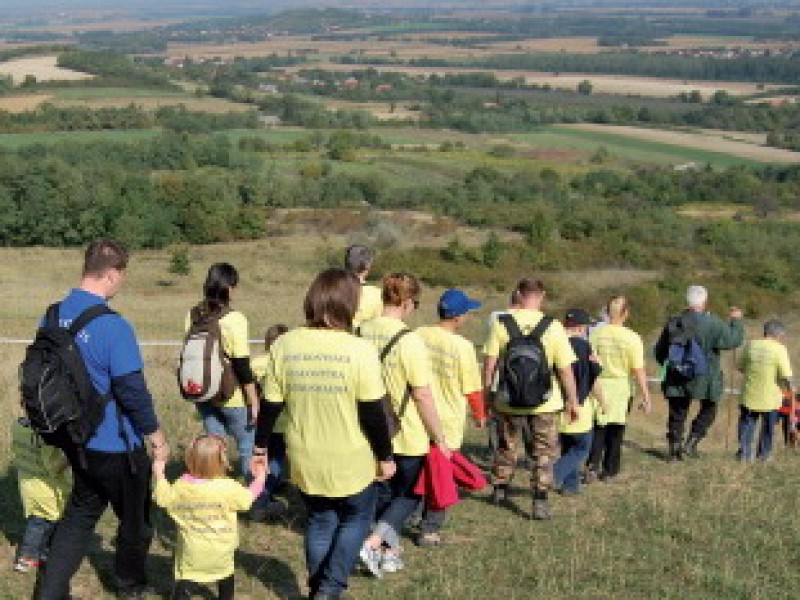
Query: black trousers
x=115 y=479
x=606 y=454
x=183 y=589
x=679 y=411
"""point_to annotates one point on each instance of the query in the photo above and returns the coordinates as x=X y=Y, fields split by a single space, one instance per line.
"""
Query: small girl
x=266 y=505
x=44 y=485
x=203 y=503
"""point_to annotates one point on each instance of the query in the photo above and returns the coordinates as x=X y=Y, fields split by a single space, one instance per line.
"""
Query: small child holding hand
x=203 y=503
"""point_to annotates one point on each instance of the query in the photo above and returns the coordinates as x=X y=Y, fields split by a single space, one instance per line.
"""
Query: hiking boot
x=675 y=452
x=690 y=447
x=541 y=511
x=371 y=559
x=391 y=562
x=500 y=495
x=590 y=476
x=428 y=540
x=26 y=565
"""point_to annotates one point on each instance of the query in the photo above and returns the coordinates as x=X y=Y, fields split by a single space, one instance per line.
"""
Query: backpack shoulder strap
x=540 y=328
x=51 y=316
x=87 y=316
x=511 y=326
x=393 y=342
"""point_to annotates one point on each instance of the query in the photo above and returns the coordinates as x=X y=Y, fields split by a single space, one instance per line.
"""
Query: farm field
x=700 y=522
x=433 y=45
x=604 y=84
x=696 y=141
x=44 y=68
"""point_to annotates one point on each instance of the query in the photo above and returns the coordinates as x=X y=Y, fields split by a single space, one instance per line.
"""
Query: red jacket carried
x=439 y=478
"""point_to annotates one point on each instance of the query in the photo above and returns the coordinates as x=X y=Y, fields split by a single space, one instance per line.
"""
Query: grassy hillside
x=704 y=529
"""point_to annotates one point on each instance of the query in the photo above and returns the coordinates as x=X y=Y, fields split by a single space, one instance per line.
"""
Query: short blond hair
x=617 y=307
x=207 y=457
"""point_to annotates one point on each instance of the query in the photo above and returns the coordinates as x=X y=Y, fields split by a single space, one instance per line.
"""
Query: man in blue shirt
x=115 y=467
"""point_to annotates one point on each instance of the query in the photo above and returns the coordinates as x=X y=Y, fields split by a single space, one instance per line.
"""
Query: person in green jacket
x=713 y=336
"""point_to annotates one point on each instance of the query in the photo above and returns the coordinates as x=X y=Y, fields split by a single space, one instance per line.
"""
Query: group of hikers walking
x=354 y=408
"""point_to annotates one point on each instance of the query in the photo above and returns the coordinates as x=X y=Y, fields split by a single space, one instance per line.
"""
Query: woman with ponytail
x=621 y=355
x=235 y=416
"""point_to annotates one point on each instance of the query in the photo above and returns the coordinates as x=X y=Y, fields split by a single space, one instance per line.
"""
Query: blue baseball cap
x=455 y=303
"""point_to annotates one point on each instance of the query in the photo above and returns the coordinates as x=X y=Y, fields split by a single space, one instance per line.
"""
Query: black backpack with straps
x=58 y=395
x=525 y=374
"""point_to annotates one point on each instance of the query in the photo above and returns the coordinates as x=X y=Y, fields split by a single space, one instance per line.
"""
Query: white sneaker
x=371 y=559
x=391 y=563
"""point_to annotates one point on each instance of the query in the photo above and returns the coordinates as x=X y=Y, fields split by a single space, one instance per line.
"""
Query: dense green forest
x=199 y=189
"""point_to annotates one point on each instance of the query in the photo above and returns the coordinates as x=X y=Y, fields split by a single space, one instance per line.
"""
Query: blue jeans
x=398 y=500
x=747 y=431
x=233 y=421
x=335 y=532
x=575 y=449
x=35 y=542
x=276 y=452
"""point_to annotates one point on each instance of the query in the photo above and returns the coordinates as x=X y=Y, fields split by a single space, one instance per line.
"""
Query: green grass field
x=708 y=528
x=14 y=141
x=627 y=148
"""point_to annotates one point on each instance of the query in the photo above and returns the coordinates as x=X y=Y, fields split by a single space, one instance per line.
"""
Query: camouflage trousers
x=541 y=447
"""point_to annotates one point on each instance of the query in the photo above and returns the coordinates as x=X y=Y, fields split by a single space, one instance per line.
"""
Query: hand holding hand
x=386 y=470
x=258 y=463
x=260 y=469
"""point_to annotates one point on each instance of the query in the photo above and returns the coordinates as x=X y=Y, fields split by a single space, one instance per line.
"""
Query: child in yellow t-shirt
x=44 y=484
x=203 y=503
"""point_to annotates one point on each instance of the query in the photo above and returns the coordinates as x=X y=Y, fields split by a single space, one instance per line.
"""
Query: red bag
x=437 y=481
x=466 y=474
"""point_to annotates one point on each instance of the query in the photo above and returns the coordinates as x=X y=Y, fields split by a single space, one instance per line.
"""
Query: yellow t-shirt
x=370 y=305
x=321 y=375
x=407 y=364
x=235 y=343
x=205 y=514
x=455 y=374
x=763 y=363
x=556 y=346
x=260 y=366
x=620 y=351
x=42 y=472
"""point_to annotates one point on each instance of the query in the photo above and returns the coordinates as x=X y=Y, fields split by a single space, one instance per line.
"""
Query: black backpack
x=58 y=395
x=525 y=377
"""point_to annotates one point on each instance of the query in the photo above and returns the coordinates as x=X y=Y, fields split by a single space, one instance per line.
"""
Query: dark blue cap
x=454 y=303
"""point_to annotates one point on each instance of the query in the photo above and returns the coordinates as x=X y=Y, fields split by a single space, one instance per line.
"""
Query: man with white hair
x=704 y=336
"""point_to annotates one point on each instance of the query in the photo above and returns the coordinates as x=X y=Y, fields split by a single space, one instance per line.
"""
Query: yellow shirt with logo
x=370 y=305
x=260 y=366
x=43 y=474
x=204 y=511
x=321 y=375
x=406 y=364
x=235 y=333
x=455 y=374
x=620 y=351
x=764 y=363
x=556 y=346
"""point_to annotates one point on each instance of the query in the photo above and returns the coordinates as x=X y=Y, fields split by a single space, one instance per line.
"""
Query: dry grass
x=18 y=104
x=702 y=141
x=44 y=68
x=380 y=110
